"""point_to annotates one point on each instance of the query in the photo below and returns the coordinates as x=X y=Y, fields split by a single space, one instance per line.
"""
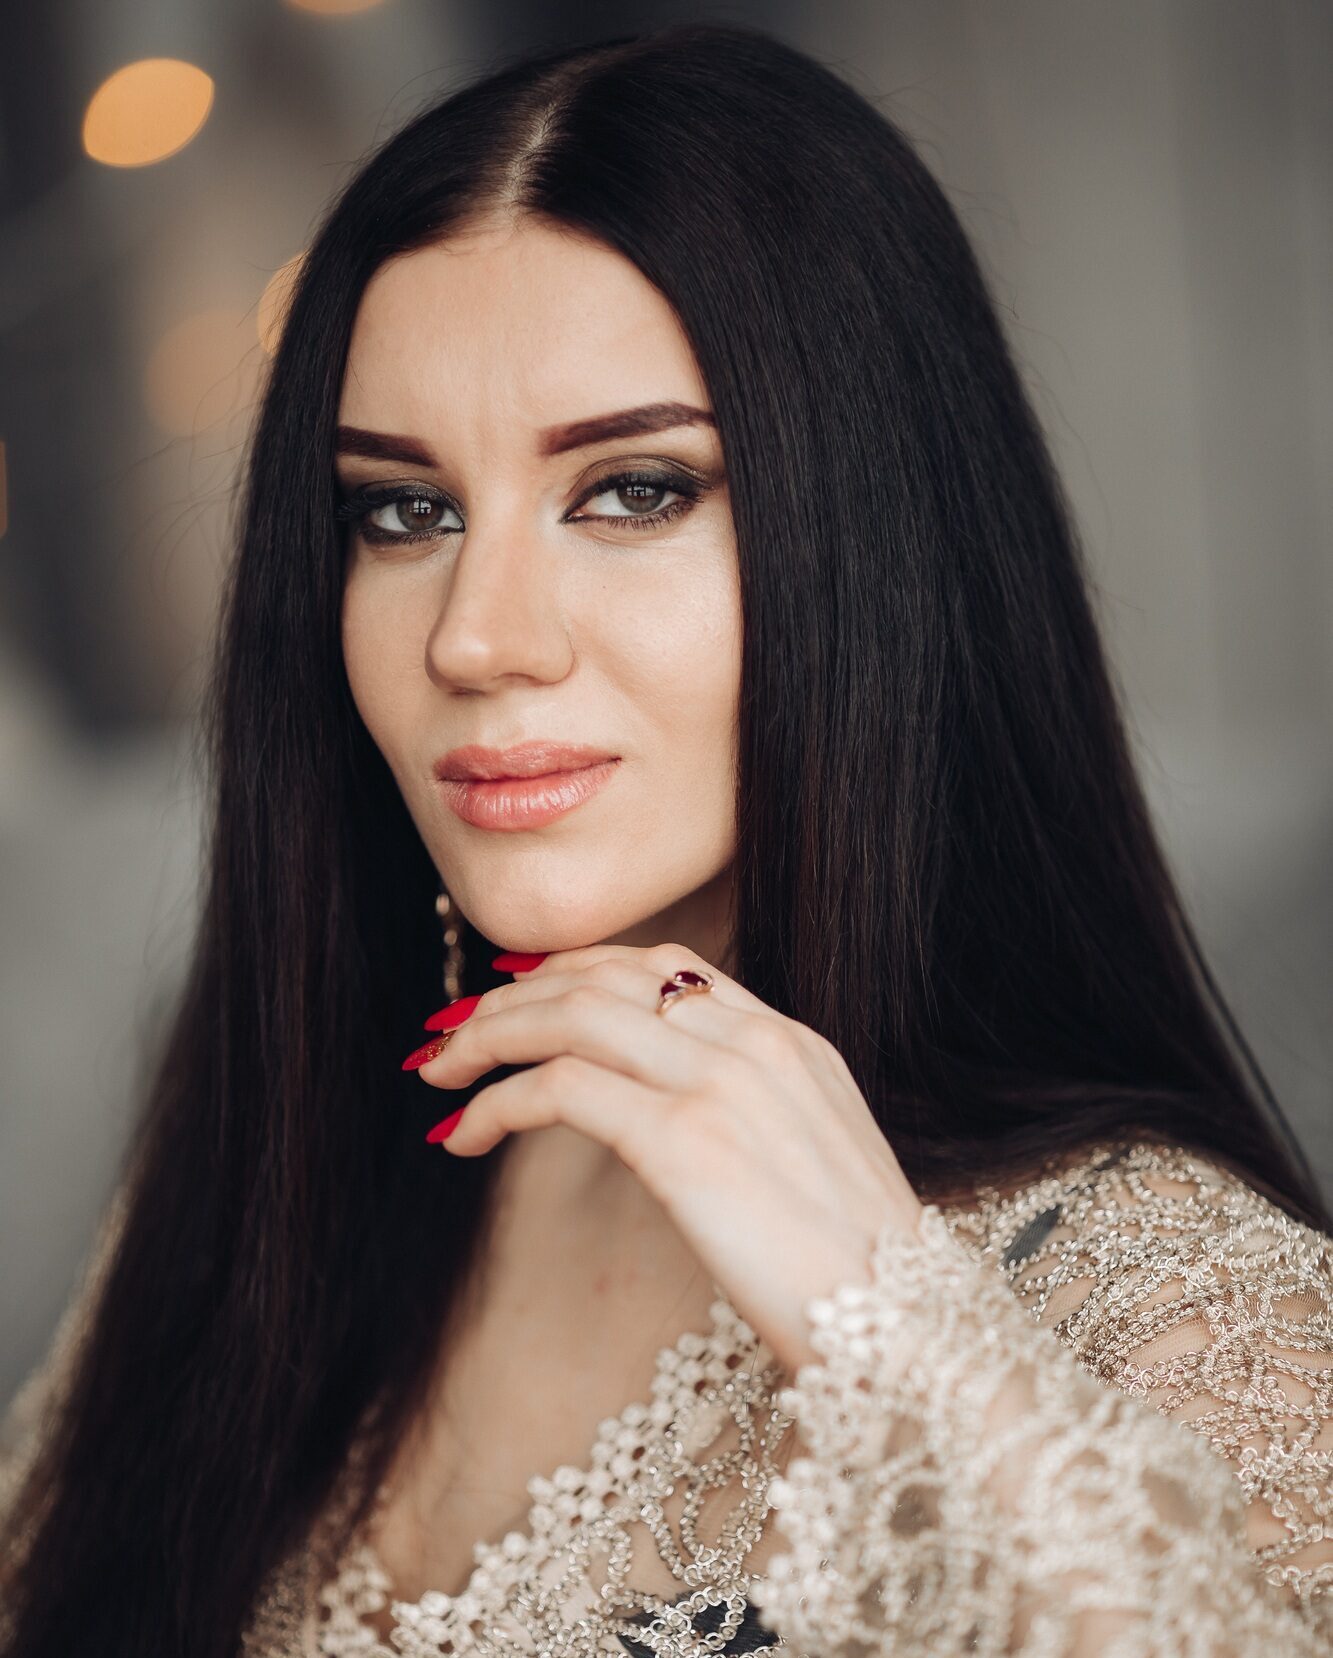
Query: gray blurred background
x=1148 y=186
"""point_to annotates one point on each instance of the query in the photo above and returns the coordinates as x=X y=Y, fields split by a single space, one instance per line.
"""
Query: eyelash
x=357 y=507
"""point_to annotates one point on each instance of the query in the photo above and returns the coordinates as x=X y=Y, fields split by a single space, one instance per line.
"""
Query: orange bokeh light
x=146 y=111
x=200 y=374
x=334 y=8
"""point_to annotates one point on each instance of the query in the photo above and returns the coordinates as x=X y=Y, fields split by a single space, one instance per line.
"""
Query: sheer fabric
x=1093 y=1415
x=975 y=1486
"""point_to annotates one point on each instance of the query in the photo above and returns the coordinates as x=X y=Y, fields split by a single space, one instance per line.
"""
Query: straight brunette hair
x=944 y=861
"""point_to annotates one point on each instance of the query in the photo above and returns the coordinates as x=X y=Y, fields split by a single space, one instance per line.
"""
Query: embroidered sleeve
x=1114 y=1437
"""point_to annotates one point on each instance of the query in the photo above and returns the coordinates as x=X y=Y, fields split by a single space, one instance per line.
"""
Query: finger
x=586 y=1019
x=609 y=1108
x=682 y=1050
x=627 y=976
x=629 y=972
x=623 y=969
x=661 y=959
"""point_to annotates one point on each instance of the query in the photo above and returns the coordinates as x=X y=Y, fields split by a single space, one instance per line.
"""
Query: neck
x=552 y=1180
x=703 y=921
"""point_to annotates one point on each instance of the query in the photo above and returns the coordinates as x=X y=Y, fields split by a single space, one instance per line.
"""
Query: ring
x=685 y=983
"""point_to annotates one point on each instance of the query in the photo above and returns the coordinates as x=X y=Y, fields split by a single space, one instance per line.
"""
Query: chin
x=532 y=926
x=534 y=901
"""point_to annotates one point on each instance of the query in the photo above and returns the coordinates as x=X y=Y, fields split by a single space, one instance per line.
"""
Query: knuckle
x=490 y=1105
x=833 y=1056
x=768 y=1040
x=668 y=957
x=608 y=973
x=588 y=1001
x=558 y=1075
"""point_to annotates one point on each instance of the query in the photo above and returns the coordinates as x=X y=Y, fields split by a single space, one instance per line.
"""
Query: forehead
x=523 y=322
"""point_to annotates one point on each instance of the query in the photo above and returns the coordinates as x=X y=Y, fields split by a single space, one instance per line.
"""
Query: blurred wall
x=1149 y=190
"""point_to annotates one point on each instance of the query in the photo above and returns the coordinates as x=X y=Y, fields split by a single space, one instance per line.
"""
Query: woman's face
x=531 y=606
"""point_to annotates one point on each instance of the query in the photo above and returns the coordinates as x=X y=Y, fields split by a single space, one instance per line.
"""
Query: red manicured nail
x=428 y=1050
x=517 y=961
x=445 y=1128
x=448 y=1017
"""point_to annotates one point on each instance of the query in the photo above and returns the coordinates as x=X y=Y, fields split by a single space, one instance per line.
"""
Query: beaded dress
x=1090 y=1416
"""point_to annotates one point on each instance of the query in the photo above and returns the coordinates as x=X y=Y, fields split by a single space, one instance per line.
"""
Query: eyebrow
x=625 y=423
x=381 y=446
x=555 y=440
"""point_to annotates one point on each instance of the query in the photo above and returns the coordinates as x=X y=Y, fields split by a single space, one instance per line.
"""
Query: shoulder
x=1175 y=1281
x=1119 y=1215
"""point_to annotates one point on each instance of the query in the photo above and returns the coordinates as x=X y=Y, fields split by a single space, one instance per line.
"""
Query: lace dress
x=1093 y=1416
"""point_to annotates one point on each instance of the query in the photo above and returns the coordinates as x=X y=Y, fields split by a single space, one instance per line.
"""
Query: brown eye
x=636 y=499
x=635 y=495
x=391 y=514
x=641 y=497
x=408 y=514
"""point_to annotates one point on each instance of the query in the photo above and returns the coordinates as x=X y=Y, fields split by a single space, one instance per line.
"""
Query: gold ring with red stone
x=685 y=983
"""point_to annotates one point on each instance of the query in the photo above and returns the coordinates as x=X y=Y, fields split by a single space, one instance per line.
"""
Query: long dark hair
x=944 y=860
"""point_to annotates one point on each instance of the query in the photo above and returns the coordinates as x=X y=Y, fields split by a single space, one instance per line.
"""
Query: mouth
x=524 y=787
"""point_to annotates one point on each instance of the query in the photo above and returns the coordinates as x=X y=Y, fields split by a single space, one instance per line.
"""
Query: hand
x=746 y=1126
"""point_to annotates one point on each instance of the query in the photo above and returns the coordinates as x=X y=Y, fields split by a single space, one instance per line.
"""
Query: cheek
x=679 y=654
x=378 y=652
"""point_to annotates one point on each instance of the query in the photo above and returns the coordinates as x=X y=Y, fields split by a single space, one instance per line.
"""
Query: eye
x=643 y=491
x=397 y=513
x=408 y=512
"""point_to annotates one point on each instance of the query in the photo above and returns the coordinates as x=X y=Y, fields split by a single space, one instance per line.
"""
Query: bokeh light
x=334 y=8
x=274 y=300
x=146 y=111
x=201 y=372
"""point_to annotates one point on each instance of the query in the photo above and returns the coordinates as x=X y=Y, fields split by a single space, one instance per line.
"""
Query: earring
x=448 y=912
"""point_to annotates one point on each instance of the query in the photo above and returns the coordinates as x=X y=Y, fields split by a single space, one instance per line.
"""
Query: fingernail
x=518 y=961
x=428 y=1050
x=453 y=1014
x=445 y=1128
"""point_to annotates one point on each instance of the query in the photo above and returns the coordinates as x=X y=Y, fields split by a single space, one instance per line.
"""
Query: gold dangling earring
x=448 y=912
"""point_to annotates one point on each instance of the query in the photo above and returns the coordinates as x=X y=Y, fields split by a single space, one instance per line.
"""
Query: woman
x=848 y=1091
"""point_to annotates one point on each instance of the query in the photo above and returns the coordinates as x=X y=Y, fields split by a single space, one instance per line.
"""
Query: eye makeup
x=359 y=506
x=413 y=500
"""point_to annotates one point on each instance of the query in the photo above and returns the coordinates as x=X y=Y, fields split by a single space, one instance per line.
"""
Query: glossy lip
x=522 y=787
x=536 y=758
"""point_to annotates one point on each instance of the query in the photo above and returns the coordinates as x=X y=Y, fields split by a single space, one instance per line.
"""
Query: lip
x=522 y=787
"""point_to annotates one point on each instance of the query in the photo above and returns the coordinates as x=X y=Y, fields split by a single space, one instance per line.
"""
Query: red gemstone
x=688 y=976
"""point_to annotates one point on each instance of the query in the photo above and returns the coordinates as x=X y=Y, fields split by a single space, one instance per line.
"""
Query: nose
x=501 y=614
